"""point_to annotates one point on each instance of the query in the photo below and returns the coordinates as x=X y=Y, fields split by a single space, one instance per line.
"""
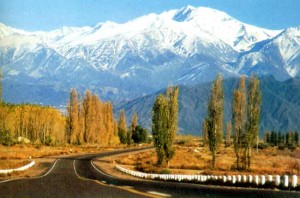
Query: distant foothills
x=280 y=108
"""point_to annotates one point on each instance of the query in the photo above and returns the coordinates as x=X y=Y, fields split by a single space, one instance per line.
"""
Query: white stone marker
x=250 y=178
x=239 y=178
x=244 y=178
x=224 y=179
x=277 y=180
x=263 y=180
x=286 y=181
x=256 y=180
x=233 y=179
x=270 y=178
x=294 y=181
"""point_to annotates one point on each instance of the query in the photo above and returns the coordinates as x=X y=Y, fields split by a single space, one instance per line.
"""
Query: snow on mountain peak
x=183 y=14
x=5 y=31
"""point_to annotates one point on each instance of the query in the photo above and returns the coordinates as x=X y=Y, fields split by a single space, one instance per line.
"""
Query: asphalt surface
x=77 y=177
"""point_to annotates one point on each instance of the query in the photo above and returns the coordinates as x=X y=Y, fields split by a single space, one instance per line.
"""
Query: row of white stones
x=17 y=169
x=258 y=180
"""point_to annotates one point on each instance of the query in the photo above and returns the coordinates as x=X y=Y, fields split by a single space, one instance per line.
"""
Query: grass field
x=192 y=158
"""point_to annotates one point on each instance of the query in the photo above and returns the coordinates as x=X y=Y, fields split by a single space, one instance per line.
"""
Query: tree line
x=87 y=120
x=132 y=134
x=289 y=139
x=37 y=123
x=90 y=121
x=244 y=123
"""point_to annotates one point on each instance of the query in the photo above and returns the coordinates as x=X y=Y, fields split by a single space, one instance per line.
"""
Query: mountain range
x=124 y=61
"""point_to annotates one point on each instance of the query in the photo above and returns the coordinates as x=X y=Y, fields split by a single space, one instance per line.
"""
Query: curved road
x=77 y=177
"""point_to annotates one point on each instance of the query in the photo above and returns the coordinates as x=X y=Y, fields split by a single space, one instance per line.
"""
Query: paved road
x=77 y=177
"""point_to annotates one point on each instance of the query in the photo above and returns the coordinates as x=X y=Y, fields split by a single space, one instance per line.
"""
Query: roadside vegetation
x=192 y=157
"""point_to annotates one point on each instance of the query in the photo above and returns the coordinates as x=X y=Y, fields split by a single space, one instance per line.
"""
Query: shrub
x=140 y=134
x=262 y=146
x=281 y=147
x=5 y=138
x=165 y=171
x=292 y=147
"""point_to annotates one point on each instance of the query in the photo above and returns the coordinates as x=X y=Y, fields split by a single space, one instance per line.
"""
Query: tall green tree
x=172 y=99
x=122 y=127
x=132 y=129
x=253 y=117
x=159 y=126
x=215 y=118
x=140 y=135
x=239 y=121
x=165 y=124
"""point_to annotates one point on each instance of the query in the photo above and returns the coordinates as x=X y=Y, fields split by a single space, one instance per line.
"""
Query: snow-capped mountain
x=121 y=61
x=279 y=56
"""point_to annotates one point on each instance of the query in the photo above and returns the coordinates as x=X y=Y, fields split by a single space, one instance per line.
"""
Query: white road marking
x=159 y=194
x=100 y=170
x=75 y=169
x=49 y=170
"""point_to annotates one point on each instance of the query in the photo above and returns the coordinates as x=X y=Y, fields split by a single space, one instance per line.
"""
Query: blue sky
x=33 y=15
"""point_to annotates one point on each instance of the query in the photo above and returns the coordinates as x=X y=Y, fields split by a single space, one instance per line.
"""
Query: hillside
x=280 y=105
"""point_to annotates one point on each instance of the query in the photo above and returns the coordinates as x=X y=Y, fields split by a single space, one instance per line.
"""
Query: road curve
x=77 y=177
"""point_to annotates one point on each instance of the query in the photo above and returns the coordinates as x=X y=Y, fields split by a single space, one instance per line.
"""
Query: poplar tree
x=165 y=124
x=238 y=121
x=253 y=117
x=122 y=127
x=204 y=132
x=172 y=122
x=88 y=117
x=132 y=130
x=215 y=118
x=72 y=125
x=109 y=123
x=159 y=126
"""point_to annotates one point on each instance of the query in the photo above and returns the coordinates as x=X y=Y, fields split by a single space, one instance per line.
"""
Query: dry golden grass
x=192 y=159
x=12 y=164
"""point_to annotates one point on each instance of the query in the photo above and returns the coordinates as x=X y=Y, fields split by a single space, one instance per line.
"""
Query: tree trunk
x=249 y=158
x=257 y=144
x=237 y=162
x=214 y=161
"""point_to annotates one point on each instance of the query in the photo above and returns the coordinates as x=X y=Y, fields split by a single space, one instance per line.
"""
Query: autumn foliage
x=87 y=121
x=90 y=121
x=37 y=123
